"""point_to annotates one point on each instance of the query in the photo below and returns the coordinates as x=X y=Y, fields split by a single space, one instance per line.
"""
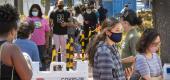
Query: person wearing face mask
x=13 y=65
x=41 y=32
x=60 y=21
x=148 y=64
x=91 y=4
x=103 y=55
x=90 y=22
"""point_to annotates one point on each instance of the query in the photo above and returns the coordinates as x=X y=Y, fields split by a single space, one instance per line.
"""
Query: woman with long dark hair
x=130 y=22
x=41 y=31
x=103 y=54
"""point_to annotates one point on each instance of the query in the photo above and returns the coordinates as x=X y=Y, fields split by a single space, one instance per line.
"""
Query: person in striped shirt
x=103 y=53
x=148 y=64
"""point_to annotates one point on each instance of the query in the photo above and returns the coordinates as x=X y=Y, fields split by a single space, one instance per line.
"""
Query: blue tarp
x=114 y=7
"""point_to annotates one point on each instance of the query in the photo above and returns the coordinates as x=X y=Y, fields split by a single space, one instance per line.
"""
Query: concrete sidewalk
x=90 y=74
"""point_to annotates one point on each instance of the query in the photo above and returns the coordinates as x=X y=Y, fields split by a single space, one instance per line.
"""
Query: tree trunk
x=161 y=21
x=47 y=7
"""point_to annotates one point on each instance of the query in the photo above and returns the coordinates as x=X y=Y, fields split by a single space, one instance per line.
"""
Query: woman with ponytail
x=130 y=22
x=103 y=53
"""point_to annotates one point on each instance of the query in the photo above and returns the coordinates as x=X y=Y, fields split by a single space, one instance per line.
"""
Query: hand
x=108 y=33
x=128 y=72
x=63 y=24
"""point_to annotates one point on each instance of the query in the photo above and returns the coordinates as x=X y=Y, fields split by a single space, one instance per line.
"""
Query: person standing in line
x=130 y=22
x=60 y=20
x=41 y=32
x=148 y=64
x=90 y=22
x=79 y=18
x=102 y=14
x=103 y=54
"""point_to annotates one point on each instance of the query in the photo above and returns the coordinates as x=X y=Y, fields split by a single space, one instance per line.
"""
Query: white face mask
x=35 y=13
x=88 y=11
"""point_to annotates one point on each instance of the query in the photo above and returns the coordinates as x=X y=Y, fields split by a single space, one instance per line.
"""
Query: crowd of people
x=137 y=59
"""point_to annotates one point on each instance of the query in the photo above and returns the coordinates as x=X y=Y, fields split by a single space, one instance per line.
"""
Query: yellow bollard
x=90 y=32
x=67 y=56
x=54 y=54
x=71 y=52
x=83 y=46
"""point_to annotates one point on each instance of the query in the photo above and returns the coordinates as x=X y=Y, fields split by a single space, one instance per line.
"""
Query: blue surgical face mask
x=35 y=13
x=116 y=37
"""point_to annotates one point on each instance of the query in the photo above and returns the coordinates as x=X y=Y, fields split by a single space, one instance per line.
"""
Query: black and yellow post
x=59 y=55
x=91 y=33
x=71 y=52
x=68 y=55
x=83 y=46
x=54 y=54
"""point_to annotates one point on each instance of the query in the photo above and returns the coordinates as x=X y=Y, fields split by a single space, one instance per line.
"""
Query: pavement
x=90 y=74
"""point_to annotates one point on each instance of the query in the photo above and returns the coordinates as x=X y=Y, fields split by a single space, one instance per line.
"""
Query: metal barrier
x=58 y=72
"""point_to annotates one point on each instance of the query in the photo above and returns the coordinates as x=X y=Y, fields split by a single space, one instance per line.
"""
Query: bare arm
x=129 y=59
x=51 y=22
x=147 y=77
x=19 y=62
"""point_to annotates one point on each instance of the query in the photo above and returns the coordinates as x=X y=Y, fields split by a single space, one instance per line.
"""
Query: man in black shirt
x=102 y=14
x=90 y=22
x=60 y=20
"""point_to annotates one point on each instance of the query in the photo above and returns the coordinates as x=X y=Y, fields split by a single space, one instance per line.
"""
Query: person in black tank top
x=13 y=66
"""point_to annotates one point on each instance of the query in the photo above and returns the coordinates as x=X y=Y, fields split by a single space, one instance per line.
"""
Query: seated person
x=24 y=43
